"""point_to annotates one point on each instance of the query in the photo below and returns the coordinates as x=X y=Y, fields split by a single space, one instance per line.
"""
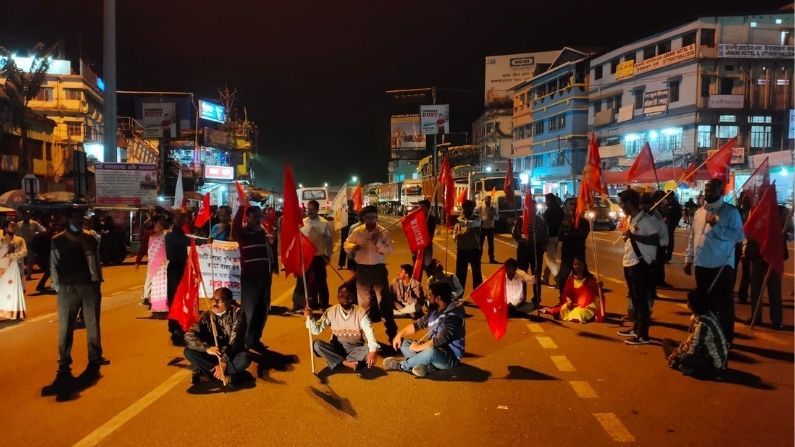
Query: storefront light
x=652 y=134
x=784 y=172
x=524 y=178
x=668 y=131
x=630 y=137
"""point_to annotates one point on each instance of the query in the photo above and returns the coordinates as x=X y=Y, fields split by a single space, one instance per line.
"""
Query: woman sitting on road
x=579 y=301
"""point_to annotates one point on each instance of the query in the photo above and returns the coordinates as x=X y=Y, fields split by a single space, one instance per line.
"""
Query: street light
x=354 y=179
x=325 y=184
x=300 y=185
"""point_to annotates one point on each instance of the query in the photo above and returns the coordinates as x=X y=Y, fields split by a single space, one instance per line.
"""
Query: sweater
x=350 y=327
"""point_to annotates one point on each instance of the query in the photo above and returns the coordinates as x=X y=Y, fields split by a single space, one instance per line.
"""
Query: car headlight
x=612 y=214
x=591 y=214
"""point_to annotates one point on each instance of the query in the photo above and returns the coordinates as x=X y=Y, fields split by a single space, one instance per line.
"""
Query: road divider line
x=26 y=322
x=562 y=363
x=583 y=389
x=546 y=342
x=614 y=428
x=535 y=327
x=130 y=412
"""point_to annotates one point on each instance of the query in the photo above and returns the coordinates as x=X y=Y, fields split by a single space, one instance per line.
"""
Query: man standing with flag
x=467 y=234
x=345 y=230
x=318 y=230
x=717 y=228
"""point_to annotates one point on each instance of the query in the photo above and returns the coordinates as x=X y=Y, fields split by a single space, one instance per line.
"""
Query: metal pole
x=109 y=72
x=306 y=299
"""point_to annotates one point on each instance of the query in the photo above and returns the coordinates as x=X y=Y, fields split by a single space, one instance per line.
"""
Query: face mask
x=433 y=307
x=219 y=314
x=73 y=228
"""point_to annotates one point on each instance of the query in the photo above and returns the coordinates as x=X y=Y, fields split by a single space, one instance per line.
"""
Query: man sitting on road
x=223 y=353
x=408 y=293
x=437 y=274
x=445 y=338
x=516 y=282
x=353 y=342
x=705 y=351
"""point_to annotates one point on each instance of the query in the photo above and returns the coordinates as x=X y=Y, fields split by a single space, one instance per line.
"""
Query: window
x=728 y=118
x=639 y=98
x=649 y=52
x=597 y=72
x=673 y=91
x=704 y=136
x=633 y=145
x=705 y=82
x=689 y=39
x=726 y=86
x=557 y=122
x=613 y=65
x=74 y=129
x=760 y=135
x=664 y=47
x=45 y=94
x=597 y=106
x=708 y=37
x=538 y=127
x=629 y=57
x=670 y=139
x=614 y=102
x=73 y=94
x=725 y=132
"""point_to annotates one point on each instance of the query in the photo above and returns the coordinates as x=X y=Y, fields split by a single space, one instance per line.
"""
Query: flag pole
x=225 y=380
x=306 y=298
x=215 y=341
x=758 y=304
x=596 y=270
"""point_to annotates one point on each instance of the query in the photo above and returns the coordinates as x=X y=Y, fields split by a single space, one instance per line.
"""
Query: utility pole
x=109 y=71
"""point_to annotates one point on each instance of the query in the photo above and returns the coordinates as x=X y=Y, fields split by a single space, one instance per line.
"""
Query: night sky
x=313 y=74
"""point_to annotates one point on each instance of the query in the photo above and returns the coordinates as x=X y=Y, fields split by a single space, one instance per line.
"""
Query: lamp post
x=354 y=179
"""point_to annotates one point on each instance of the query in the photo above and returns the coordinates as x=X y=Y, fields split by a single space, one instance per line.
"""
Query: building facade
x=491 y=134
x=690 y=89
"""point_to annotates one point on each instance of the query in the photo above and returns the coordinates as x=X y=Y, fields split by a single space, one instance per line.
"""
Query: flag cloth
x=447 y=182
x=592 y=171
x=492 y=301
x=339 y=207
x=528 y=210
x=185 y=307
x=493 y=195
x=689 y=176
x=583 y=203
x=643 y=163
x=415 y=228
x=764 y=227
x=269 y=222
x=760 y=176
x=507 y=185
x=718 y=164
x=293 y=240
x=729 y=184
x=242 y=200
x=358 y=199
x=418 y=265
x=204 y=212
x=179 y=193
x=462 y=195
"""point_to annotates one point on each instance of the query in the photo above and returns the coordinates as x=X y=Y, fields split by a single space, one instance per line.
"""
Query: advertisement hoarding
x=726 y=101
x=159 y=118
x=665 y=59
x=435 y=119
x=738 y=155
x=655 y=102
x=126 y=184
x=212 y=172
x=504 y=72
x=406 y=133
x=211 y=111
x=755 y=51
x=625 y=70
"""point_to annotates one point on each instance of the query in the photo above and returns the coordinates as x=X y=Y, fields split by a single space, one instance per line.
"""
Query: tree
x=19 y=88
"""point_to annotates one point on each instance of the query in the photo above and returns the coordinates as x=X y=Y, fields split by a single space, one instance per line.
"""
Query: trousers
x=255 y=300
x=487 y=234
x=375 y=278
x=758 y=271
x=204 y=363
x=440 y=358
x=641 y=288
x=316 y=283
x=470 y=258
x=71 y=297
x=720 y=300
x=335 y=353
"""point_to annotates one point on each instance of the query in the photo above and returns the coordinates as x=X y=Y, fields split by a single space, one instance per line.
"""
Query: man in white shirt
x=516 y=282
x=370 y=244
x=641 y=241
x=318 y=230
x=488 y=215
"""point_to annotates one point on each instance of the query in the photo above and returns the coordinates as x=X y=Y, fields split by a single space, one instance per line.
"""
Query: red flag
x=730 y=186
x=493 y=302
x=291 y=235
x=592 y=171
x=689 y=175
x=358 y=199
x=718 y=164
x=528 y=212
x=415 y=228
x=418 y=264
x=270 y=220
x=760 y=176
x=507 y=185
x=447 y=182
x=462 y=195
x=583 y=203
x=764 y=227
x=204 y=212
x=242 y=199
x=185 y=307
x=643 y=163
x=493 y=195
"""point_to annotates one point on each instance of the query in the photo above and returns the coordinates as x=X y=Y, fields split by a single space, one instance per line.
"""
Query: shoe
x=628 y=333
x=391 y=364
x=664 y=285
x=778 y=326
x=101 y=362
x=628 y=317
x=196 y=378
x=637 y=341
x=493 y=261
x=420 y=370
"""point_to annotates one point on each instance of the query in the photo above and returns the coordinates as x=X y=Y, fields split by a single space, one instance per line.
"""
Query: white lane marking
x=24 y=323
x=614 y=428
x=449 y=252
x=583 y=389
x=546 y=342
x=535 y=327
x=562 y=363
x=130 y=412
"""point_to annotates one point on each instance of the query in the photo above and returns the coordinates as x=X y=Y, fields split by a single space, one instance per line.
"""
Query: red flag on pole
x=291 y=233
x=507 y=185
x=447 y=182
x=492 y=301
x=592 y=171
x=204 y=212
x=760 y=176
x=418 y=264
x=643 y=163
x=462 y=195
x=718 y=164
x=730 y=184
x=528 y=212
x=583 y=203
x=764 y=227
x=358 y=199
x=242 y=200
x=416 y=229
x=689 y=175
x=185 y=307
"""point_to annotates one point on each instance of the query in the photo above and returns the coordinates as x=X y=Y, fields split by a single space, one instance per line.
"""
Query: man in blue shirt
x=443 y=345
x=717 y=228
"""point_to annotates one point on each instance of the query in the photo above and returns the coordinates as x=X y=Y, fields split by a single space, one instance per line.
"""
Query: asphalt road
x=545 y=383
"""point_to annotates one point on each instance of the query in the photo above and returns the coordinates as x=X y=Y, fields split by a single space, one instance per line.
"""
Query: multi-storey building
x=691 y=88
x=491 y=134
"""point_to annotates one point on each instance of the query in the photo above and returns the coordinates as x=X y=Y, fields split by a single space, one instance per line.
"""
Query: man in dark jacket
x=177 y=244
x=572 y=243
x=443 y=345
x=553 y=215
x=672 y=213
x=218 y=352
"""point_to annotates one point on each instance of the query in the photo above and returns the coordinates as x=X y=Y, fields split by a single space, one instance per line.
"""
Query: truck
x=410 y=196
x=482 y=184
x=389 y=198
x=371 y=193
x=319 y=193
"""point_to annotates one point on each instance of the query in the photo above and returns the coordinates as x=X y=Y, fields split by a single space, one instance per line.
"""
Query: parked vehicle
x=602 y=215
x=410 y=196
x=482 y=184
x=389 y=198
x=319 y=193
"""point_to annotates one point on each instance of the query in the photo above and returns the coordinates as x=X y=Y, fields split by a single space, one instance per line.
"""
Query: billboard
x=655 y=102
x=211 y=111
x=406 y=133
x=504 y=72
x=126 y=184
x=159 y=118
x=435 y=119
x=219 y=172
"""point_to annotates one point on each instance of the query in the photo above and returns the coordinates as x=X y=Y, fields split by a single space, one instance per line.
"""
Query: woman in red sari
x=580 y=299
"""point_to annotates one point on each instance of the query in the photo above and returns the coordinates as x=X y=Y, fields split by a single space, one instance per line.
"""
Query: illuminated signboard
x=211 y=111
x=219 y=172
x=57 y=66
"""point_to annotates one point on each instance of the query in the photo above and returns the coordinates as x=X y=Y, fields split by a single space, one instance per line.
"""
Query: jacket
x=231 y=329
x=446 y=329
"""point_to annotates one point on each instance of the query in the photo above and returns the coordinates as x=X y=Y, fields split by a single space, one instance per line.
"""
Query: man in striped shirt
x=255 y=273
x=705 y=351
